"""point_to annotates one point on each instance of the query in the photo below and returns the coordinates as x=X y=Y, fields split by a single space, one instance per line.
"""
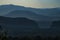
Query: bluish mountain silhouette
x=28 y=14
x=49 y=12
x=52 y=12
x=17 y=18
x=42 y=16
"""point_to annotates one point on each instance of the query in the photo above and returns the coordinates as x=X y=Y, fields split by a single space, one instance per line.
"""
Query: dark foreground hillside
x=5 y=36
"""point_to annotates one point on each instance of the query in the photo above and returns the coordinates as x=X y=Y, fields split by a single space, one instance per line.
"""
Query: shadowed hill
x=19 y=26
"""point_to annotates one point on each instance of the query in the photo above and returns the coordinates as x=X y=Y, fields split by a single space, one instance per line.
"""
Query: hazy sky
x=33 y=3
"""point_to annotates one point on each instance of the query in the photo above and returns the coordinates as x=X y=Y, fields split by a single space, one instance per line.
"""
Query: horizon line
x=29 y=7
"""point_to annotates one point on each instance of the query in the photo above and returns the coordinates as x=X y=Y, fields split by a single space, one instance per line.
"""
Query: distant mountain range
x=48 y=15
x=53 y=13
x=19 y=19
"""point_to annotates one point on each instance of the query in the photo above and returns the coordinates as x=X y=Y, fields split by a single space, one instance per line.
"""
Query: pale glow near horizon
x=33 y=3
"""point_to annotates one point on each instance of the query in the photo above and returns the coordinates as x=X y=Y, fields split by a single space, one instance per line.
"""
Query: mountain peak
x=11 y=5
